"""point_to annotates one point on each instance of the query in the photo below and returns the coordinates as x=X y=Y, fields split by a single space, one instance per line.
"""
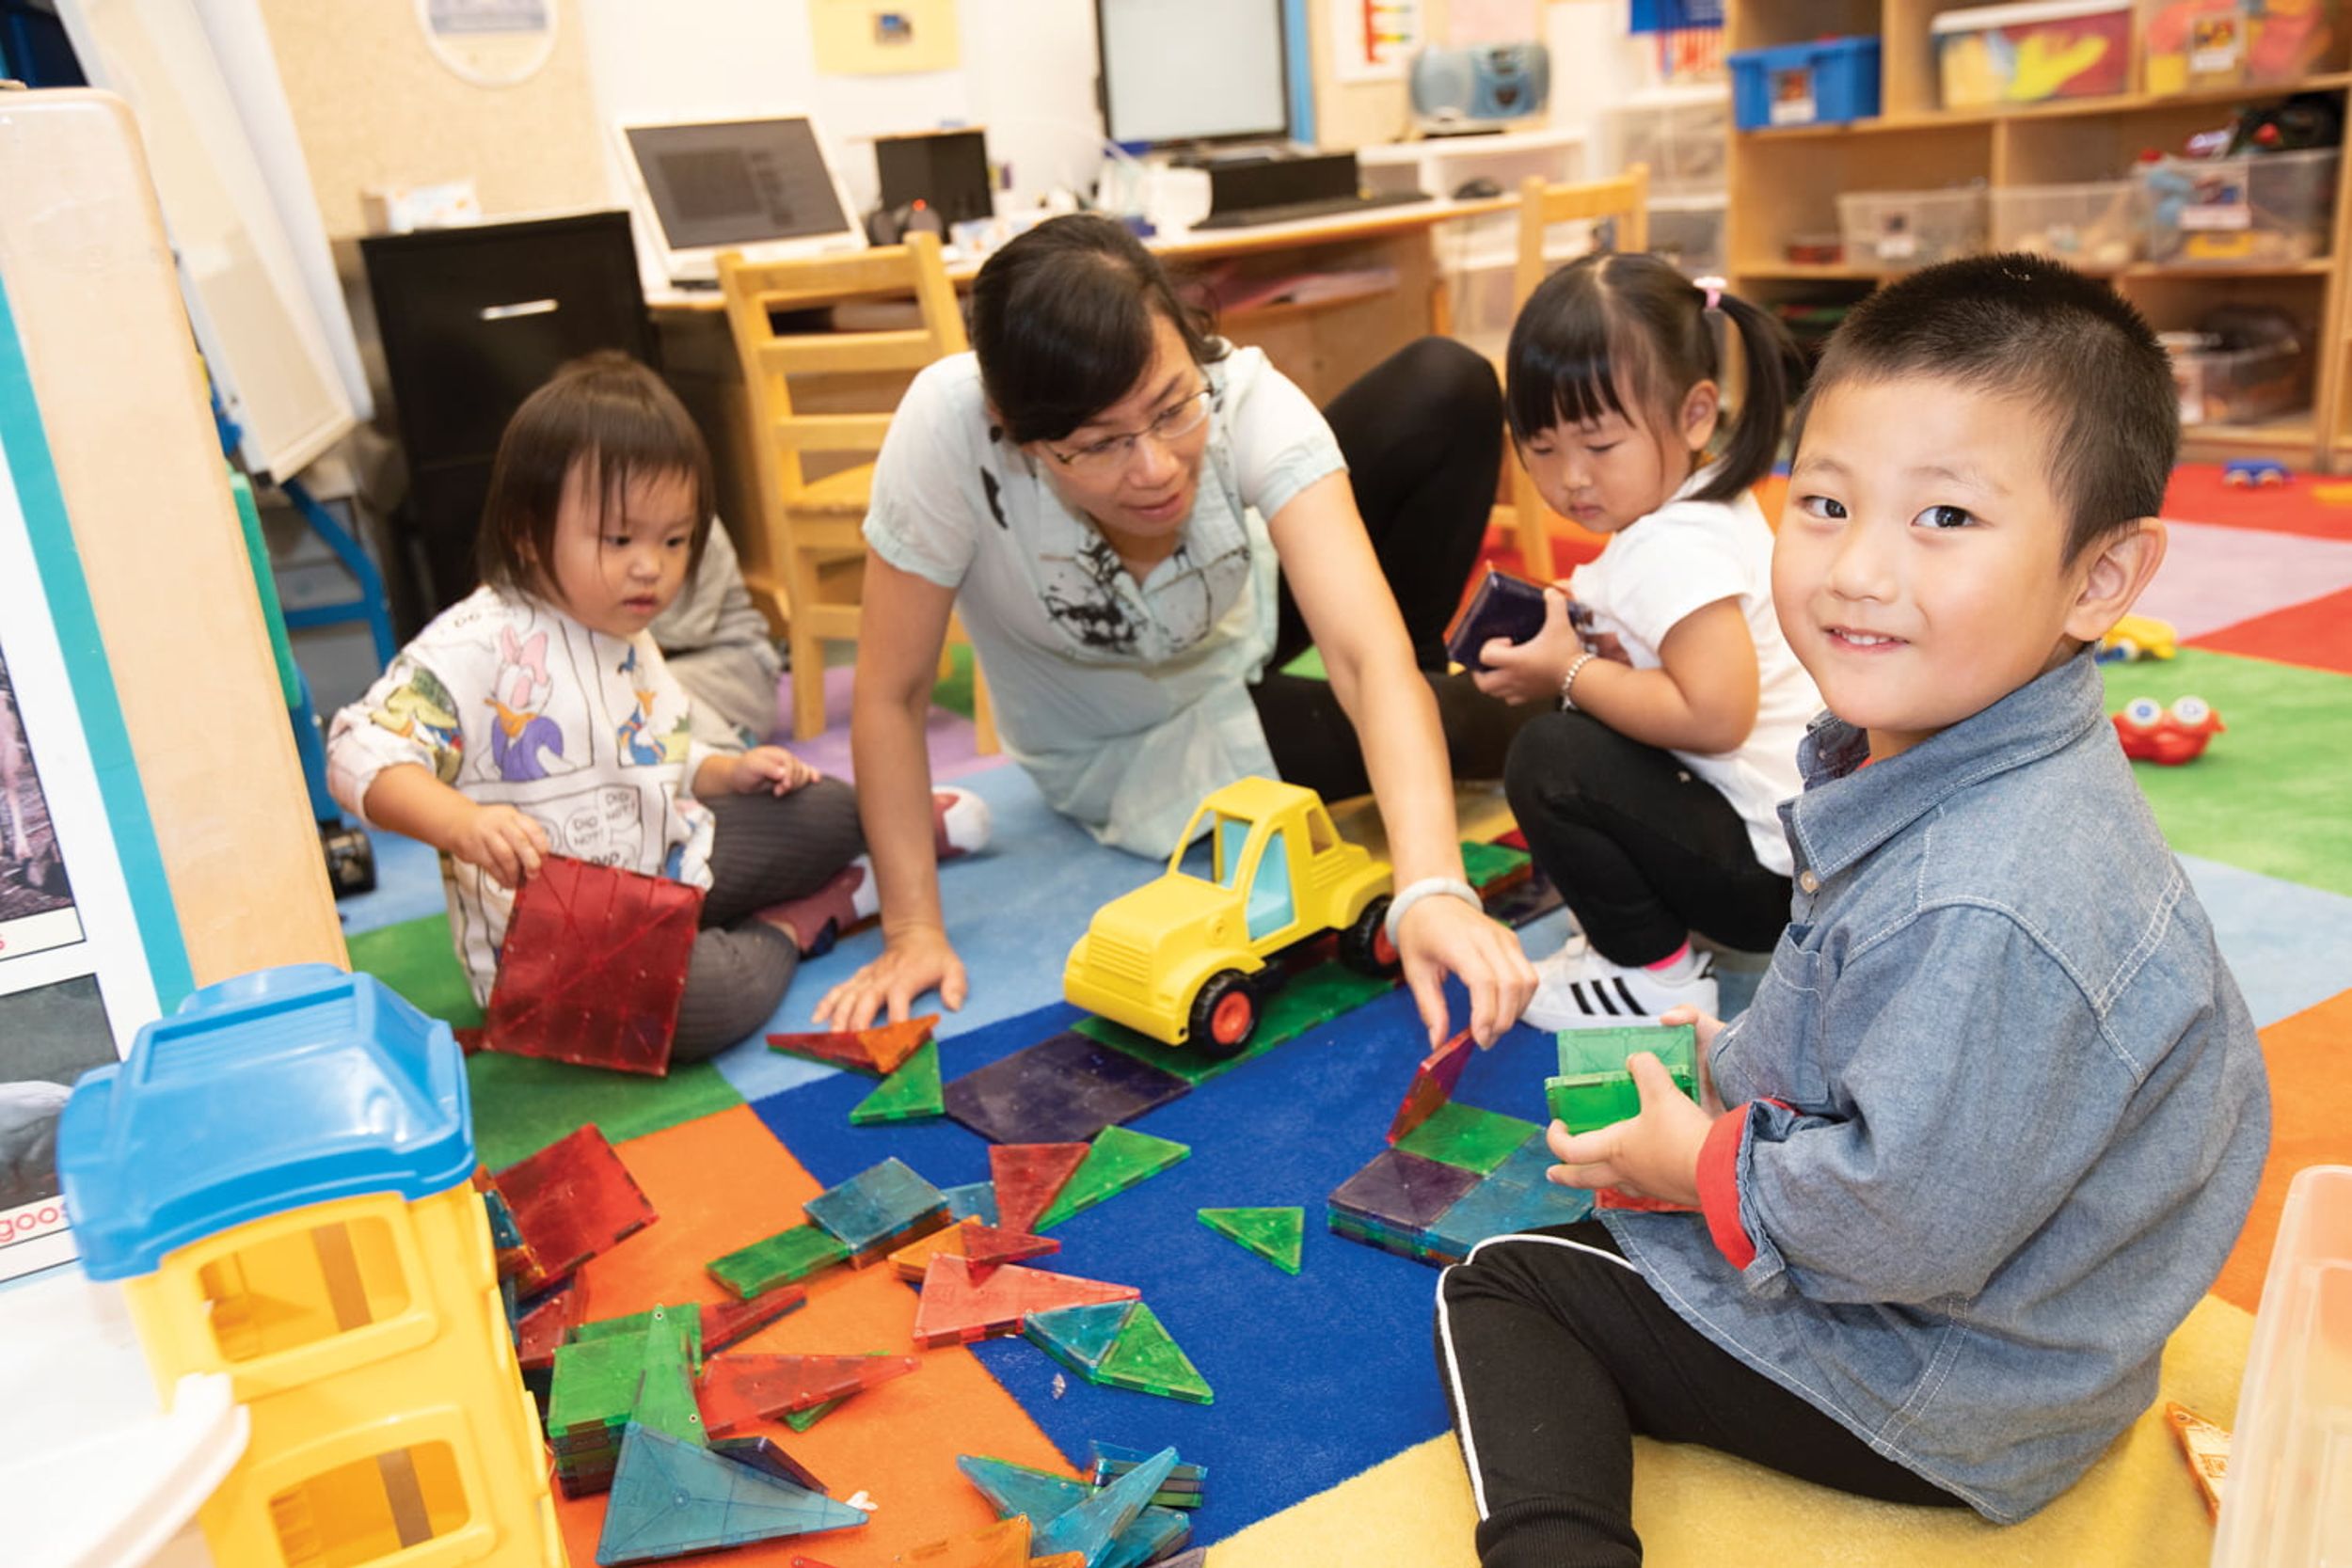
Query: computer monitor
x=761 y=186
x=1178 y=72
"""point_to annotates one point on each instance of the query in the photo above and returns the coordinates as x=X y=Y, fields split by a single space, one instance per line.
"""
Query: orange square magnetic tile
x=723 y=1180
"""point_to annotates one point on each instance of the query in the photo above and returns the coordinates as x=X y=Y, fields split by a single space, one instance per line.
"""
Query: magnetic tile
x=912 y=1093
x=1002 y=1544
x=1013 y=1489
x=1027 y=1177
x=790 y=1254
x=593 y=967
x=1147 y=1359
x=1403 y=1189
x=1079 y=1337
x=766 y=1456
x=987 y=1247
x=637 y=1322
x=1606 y=1050
x=1119 y=1159
x=878 y=1208
x=957 y=1309
x=546 y=1322
x=1464 y=1135
x=913 y=1261
x=1276 y=1235
x=1088 y=1527
x=1492 y=867
x=728 y=1322
x=878 y=1052
x=972 y=1200
x=665 y=1390
x=739 y=1391
x=670 y=1499
x=571 y=1200
x=1064 y=1089
x=1434 y=1082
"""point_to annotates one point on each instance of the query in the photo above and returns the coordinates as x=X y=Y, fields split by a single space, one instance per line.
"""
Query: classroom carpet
x=1326 y=1441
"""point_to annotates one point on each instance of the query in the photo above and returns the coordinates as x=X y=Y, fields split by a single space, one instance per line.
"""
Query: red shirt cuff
x=1719 y=1187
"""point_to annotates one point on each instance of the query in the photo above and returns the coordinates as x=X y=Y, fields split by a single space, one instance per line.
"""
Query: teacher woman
x=1139 y=525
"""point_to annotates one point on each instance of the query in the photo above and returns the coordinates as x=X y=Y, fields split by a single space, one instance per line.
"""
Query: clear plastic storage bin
x=2288 y=1503
x=2237 y=386
x=2101 y=224
x=1899 y=229
x=1688 y=232
x=2268 y=210
x=1682 y=142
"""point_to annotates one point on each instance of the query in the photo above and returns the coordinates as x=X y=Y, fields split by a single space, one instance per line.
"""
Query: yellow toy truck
x=1183 y=958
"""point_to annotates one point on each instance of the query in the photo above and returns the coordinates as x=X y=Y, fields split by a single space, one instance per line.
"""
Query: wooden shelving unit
x=1785 y=184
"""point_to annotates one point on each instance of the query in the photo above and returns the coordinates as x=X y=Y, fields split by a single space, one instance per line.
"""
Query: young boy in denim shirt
x=1995 y=1117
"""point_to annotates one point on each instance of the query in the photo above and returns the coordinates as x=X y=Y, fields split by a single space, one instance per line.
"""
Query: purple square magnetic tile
x=1404 y=1189
x=1064 y=1089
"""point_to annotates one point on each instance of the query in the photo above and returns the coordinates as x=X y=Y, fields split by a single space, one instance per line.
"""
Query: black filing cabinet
x=472 y=320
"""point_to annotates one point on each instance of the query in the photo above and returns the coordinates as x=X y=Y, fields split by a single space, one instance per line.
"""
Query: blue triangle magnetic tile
x=1091 y=1527
x=671 y=1498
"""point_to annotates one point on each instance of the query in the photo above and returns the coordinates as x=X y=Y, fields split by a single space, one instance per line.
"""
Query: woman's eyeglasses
x=1111 y=454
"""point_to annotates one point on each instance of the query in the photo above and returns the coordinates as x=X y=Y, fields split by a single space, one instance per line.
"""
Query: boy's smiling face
x=1919 y=568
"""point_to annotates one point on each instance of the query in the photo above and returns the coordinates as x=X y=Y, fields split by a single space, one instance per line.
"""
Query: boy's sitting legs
x=1555 y=1353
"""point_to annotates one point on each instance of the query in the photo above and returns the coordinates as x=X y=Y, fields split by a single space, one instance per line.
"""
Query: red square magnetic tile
x=594 y=967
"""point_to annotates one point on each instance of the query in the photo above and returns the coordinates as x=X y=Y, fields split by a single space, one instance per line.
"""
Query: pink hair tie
x=1713 y=287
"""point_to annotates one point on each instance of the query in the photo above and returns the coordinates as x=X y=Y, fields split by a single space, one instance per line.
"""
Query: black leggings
x=1555 y=1352
x=1642 y=851
x=1422 y=435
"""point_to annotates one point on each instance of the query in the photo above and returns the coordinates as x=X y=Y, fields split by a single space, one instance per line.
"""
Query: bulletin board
x=89 y=942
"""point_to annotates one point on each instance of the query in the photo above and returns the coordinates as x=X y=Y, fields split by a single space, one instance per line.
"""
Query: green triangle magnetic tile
x=1490 y=865
x=1306 y=1002
x=1078 y=1336
x=787 y=1255
x=1605 y=1050
x=665 y=1392
x=911 y=1094
x=1276 y=1235
x=1120 y=1157
x=670 y=1499
x=1147 y=1359
x=1012 y=1489
x=1089 y=1528
x=1464 y=1135
x=801 y=1421
x=637 y=1322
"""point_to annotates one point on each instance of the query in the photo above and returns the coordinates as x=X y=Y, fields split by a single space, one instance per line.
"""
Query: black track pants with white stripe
x=1554 y=1352
x=1643 y=850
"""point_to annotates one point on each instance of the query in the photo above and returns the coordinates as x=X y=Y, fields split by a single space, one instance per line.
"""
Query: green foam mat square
x=524 y=1103
x=417 y=958
x=2267 y=794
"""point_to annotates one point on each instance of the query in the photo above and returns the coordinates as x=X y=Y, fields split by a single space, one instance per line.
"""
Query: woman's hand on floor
x=1445 y=935
x=912 y=961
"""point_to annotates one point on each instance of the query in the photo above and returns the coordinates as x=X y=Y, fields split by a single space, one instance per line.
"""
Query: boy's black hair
x=609 y=412
x=2027 y=327
x=1061 y=324
x=1609 y=320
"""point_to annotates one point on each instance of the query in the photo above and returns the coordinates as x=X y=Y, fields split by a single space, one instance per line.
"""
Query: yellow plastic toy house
x=278 y=1175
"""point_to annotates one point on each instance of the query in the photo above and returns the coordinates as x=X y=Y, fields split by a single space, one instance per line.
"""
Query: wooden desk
x=1322 y=345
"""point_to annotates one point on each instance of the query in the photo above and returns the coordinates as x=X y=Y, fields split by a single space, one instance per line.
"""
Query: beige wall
x=1360 y=113
x=373 y=106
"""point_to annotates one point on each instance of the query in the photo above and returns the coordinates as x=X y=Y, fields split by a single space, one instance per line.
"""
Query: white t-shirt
x=510 y=701
x=1683 y=557
x=1126 y=702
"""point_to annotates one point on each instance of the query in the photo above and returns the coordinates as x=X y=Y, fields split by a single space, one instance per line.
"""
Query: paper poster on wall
x=1475 y=21
x=1373 y=40
x=883 y=38
x=89 y=947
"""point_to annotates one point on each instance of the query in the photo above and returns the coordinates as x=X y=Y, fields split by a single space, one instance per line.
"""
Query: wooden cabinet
x=1785 y=185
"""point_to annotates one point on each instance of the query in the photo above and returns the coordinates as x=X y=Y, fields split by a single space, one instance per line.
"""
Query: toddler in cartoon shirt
x=536 y=717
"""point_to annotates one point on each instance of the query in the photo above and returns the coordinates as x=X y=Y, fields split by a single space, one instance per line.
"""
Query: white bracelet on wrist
x=1430 y=887
x=1567 y=682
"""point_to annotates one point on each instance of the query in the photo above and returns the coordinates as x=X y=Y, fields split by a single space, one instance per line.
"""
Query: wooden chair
x=804 y=555
x=1624 y=201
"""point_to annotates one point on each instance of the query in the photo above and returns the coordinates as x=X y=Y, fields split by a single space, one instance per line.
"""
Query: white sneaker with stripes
x=1578 y=989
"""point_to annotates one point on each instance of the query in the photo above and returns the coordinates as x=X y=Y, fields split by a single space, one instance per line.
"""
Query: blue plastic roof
x=272 y=1091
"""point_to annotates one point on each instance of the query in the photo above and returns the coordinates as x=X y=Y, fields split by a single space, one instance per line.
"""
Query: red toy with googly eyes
x=2153 y=732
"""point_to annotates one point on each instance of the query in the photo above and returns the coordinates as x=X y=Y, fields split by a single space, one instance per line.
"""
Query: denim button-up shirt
x=2001 y=1108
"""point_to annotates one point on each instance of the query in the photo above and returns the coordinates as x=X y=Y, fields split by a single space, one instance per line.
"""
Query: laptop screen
x=737 y=182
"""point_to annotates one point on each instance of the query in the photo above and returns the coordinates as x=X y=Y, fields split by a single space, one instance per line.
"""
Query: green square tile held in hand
x=1593 y=1088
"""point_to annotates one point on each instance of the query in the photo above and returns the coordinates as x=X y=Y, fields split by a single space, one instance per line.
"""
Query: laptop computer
x=760 y=184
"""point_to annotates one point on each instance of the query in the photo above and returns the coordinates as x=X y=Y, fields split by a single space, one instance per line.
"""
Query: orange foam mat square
x=2311 y=1124
x=2316 y=634
x=724 y=1181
